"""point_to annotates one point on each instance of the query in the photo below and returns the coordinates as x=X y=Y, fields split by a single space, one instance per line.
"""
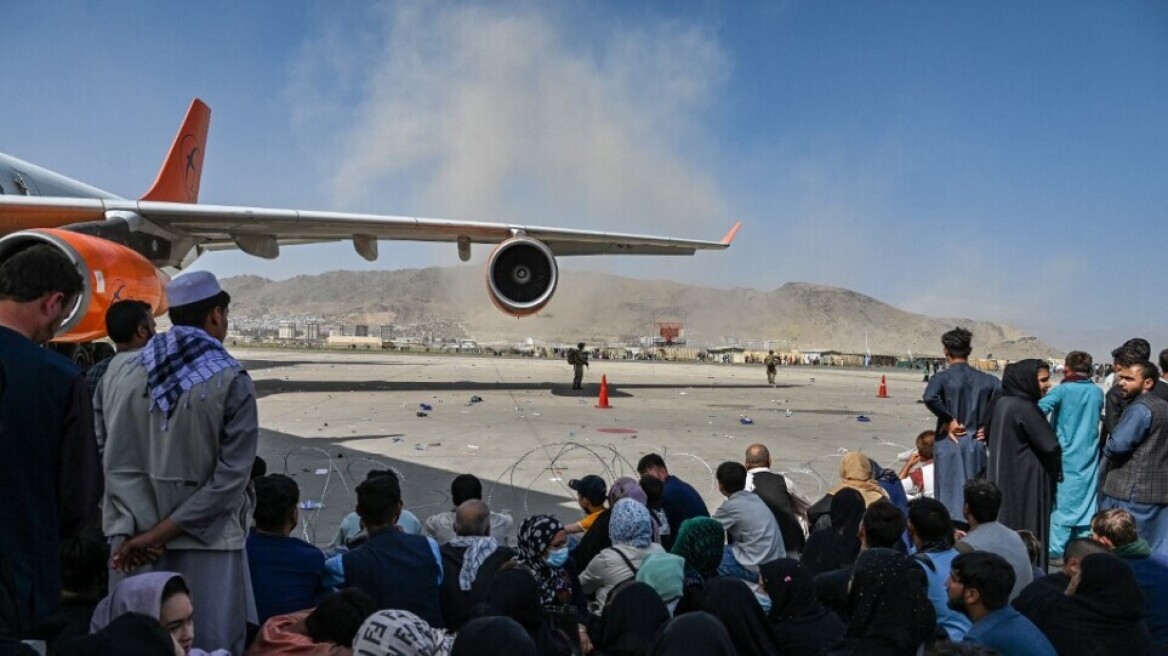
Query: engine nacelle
x=111 y=273
x=521 y=276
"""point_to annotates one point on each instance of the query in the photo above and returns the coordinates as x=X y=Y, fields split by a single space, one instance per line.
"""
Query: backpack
x=596 y=630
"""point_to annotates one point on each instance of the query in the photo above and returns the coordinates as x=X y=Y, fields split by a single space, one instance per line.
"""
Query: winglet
x=730 y=235
x=178 y=179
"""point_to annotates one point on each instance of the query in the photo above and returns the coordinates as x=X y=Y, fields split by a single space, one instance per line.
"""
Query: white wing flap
x=224 y=223
x=217 y=226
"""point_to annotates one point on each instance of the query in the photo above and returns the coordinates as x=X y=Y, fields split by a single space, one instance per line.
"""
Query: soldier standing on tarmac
x=578 y=359
x=771 y=365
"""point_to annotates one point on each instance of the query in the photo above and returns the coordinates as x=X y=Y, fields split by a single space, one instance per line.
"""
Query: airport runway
x=329 y=417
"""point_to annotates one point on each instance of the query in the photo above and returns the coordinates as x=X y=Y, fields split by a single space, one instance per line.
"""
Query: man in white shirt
x=781 y=495
x=464 y=488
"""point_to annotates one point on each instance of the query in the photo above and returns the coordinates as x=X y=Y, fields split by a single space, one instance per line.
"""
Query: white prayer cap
x=191 y=288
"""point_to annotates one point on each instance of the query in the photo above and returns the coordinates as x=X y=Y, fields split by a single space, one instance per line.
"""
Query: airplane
x=126 y=249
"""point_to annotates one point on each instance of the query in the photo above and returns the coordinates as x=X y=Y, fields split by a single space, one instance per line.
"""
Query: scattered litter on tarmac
x=425 y=406
x=398 y=440
x=863 y=419
x=422 y=414
x=309 y=504
x=745 y=421
x=323 y=471
x=475 y=399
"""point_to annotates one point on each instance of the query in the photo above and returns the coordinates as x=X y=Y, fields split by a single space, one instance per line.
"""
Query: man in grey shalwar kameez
x=956 y=396
x=178 y=458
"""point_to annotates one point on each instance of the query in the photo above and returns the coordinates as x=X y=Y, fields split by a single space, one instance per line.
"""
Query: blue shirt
x=334 y=569
x=1011 y=634
x=1152 y=576
x=1131 y=431
x=286 y=574
x=937 y=569
x=681 y=502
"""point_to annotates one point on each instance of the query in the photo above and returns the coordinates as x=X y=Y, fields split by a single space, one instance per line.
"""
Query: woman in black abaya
x=836 y=546
x=890 y=610
x=730 y=600
x=1025 y=458
x=1102 y=611
x=801 y=624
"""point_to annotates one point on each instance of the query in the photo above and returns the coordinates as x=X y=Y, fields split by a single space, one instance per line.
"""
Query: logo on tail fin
x=194 y=160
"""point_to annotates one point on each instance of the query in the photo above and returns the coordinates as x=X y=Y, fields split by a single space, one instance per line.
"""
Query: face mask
x=558 y=557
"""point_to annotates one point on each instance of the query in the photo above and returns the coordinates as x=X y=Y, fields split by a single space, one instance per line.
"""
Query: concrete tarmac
x=329 y=417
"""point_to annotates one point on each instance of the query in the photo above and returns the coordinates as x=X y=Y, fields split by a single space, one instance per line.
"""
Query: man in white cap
x=178 y=459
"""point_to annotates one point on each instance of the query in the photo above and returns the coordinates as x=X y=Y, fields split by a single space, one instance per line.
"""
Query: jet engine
x=521 y=276
x=111 y=273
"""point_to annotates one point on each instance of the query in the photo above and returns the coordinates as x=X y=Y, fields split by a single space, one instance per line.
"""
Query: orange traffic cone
x=603 y=403
x=883 y=392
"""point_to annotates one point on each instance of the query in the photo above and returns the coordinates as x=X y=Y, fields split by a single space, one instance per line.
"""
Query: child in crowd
x=917 y=473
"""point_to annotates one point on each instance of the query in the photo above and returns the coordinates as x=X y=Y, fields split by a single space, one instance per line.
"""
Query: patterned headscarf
x=178 y=360
x=535 y=534
x=700 y=541
x=630 y=524
x=478 y=549
x=888 y=601
x=400 y=633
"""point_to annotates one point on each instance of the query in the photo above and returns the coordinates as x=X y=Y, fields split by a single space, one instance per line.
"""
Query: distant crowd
x=135 y=518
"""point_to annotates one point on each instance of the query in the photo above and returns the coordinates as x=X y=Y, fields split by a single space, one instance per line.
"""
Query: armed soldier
x=578 y=358
x=771 y=367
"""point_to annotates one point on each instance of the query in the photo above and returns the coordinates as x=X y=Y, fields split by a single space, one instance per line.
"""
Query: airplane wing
x=260 y=231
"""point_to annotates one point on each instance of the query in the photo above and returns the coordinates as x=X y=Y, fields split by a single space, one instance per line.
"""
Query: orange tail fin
x=178 y=179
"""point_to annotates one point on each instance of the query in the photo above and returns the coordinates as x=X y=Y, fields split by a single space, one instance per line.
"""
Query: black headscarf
x=692 y=633
x=515 y=594
x=732 y=602
x=1107 y=585
x=801 y=623
x=1019 y=379
x=889 y=602
x=130 y=634
x=791 y=587
x=493 y=636
x=1105 y=615
x=632 y=620
x=837 y=546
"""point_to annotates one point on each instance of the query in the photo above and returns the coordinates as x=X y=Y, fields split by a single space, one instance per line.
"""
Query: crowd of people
x=138 y=520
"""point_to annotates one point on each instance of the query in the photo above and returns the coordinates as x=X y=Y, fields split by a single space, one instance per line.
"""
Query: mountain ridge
x=452 y=301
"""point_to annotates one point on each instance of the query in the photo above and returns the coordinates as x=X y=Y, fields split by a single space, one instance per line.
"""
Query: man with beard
x=50 y=476
x=1133 y=351
x=956 y=396
x=1137 y=455
x=979 y=587
x=1025 y=458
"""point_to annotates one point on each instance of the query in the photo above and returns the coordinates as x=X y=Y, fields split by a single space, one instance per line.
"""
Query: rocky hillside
x=597 y=306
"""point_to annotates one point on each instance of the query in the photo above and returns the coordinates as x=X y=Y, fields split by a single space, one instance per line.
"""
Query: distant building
x=287 y=330
x=312 y=332
x=346 y=341
x=387 y=331
x=361 y=330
